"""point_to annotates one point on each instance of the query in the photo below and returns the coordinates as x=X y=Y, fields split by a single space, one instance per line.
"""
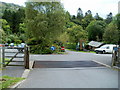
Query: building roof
x=95 y=44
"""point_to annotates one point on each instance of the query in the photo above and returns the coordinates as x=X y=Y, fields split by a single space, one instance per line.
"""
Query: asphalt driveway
x=83 y=77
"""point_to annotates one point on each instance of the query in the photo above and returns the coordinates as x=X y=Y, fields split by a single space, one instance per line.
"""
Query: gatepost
x=26 y=57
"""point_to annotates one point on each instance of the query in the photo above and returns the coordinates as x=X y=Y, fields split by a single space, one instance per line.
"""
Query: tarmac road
x=83 y=77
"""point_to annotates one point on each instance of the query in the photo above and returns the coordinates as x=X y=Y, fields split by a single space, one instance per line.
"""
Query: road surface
x=83 y=77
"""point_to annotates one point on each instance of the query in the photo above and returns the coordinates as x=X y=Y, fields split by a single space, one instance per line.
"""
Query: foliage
x=76 y=33
x=109 y=18
x=45 y=21
x=11 y=6
x=95 y=30
x=2 y=36
x=70 y=46
x=87 y=19
x=63 y=38
x=14 y=18
x=5 y=26
x=79 y=14
x=117 y=22
x=97 y=17
x=111 y=34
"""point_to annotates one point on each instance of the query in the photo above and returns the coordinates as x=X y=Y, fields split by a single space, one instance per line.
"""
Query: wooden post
x=81 y=44
x=119 y=55
x=26 y=57
x=3 y=56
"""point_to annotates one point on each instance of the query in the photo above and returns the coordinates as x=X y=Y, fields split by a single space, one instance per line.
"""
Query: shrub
x=71 y=46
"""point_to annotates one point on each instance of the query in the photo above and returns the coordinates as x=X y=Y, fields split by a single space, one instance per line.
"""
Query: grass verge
x=7 y=81
x=6 y=59
x=81 y=51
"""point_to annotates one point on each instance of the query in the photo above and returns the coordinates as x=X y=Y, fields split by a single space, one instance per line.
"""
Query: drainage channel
x=65 y=64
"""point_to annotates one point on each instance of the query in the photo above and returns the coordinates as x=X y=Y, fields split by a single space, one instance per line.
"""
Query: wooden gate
x=15 y=51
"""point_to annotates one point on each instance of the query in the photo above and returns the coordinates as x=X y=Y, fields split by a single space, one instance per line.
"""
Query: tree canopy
x=95 y=30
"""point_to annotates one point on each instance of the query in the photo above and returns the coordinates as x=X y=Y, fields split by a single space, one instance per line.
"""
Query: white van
x=108 y=48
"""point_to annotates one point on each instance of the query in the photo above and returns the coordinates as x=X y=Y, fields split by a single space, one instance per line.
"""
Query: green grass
x=6 y=81
x=61 y=53
x=6 y=59
x=81 y=51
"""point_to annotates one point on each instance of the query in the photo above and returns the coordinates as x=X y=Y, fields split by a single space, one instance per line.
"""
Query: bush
x=18 y=41
x=71 y=46
x=37 y=49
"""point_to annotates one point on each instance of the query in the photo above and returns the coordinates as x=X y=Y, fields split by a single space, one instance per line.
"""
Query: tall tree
x=97 y=17
x=109 y=18
x=76 y=33
x=45 y=21
x=88 y=13
x=87 y=19
x=79 y=14
x=111 y=34
x=95 y=30
x=14 y=18
x=117 y=22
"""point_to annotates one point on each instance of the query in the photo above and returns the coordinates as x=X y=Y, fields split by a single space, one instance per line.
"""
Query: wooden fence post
x=119 y=55
x=26 y=57
x=3 y=56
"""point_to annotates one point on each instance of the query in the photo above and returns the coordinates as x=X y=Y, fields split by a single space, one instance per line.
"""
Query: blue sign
x=52 y=48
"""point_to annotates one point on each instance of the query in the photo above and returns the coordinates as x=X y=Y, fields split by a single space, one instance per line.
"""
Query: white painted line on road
x=103 y=54
x=75 y=68
x=102 y=63
x=114 y=67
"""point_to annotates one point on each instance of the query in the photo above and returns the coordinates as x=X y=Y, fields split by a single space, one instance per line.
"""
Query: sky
x=102 y=7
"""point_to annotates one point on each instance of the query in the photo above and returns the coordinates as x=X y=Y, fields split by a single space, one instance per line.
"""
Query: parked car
x=22 y=45
x=11 y=44
x=108 y=48
x=2 y=45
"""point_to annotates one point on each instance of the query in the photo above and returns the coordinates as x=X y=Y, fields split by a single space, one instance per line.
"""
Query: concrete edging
x=24 y=75
x=107 y=65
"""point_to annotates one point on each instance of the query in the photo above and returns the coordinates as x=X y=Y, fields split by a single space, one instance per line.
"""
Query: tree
x=88 y=13
x=111 y=34
x=87 y=19
x=45 y=21
x=5 y=26
x=97 y=17
x=95 y=30
x=109 y=18
x=2 y=36
x=79 y=14
x=76 y=33
x=14 y=18
x=117 y=22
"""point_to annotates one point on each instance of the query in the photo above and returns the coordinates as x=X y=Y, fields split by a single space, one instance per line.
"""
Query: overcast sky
x=102 y=7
